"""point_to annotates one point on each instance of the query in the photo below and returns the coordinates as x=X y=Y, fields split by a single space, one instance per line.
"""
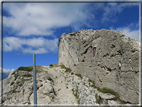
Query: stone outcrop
x=109 y=58
x=104 y=69
x=55 y=85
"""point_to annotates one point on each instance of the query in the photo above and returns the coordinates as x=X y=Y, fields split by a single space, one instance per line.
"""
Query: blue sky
x=34 y=28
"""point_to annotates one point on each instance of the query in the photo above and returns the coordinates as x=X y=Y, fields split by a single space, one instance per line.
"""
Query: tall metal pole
x=34 y=81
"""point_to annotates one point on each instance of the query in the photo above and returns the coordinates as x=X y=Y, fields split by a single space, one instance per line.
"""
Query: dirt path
x=64 y=93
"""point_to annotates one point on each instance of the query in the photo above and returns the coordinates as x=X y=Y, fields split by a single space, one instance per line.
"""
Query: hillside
x=55 y=85
x=95 y=67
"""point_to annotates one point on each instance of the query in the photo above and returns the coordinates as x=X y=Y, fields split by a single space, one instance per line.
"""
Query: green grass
x=106 y=90
x=98 y=100
x=68 y=70
x=75 y=93
x=79 y=75
x=63 y=66
x=26 y=68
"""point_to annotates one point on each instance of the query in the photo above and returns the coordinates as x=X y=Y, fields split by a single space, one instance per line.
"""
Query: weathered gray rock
x=106 y=96
x=45 y=94
x=66 y=89
x=111 y=102
x=115 y=64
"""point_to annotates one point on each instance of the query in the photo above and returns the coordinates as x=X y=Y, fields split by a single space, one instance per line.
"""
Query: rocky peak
x=95 y=67
x=109 y=58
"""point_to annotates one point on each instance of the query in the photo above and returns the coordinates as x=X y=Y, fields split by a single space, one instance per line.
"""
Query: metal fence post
x=34 y=81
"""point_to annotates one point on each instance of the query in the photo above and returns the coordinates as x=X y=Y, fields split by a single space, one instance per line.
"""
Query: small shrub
x=51 y=65
x=72 y=73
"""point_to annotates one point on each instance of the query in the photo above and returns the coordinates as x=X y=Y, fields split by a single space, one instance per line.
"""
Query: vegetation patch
x=106 y=90
x=79 y=75
x=63 y=66
x=28 y=75
x=75 y=93
x=98 y=99
x=26 y=68
x=51 y=65
x=68 y=70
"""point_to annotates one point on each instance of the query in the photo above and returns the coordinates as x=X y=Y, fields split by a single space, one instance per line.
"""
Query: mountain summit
x=95 y=67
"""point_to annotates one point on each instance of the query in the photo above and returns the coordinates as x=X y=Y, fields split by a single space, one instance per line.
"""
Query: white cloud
x=40 y=19
x=33 y=45
x=7 y=70
x=129 y=30
x=37 y=51
x=43 y=18
x=113 y=8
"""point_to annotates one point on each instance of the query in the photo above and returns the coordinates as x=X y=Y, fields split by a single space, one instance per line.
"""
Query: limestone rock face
x=110 y=58
x=54 y=86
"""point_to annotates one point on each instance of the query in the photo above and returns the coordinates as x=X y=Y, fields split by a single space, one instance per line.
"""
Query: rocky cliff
x=109 y=58
x=95 y=67
x=55 y=85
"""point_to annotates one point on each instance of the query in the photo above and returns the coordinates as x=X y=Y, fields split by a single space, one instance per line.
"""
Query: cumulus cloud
x=32 y=45
x=129 y=30
x=41 y=18
x=111 y=9
x=6 y=70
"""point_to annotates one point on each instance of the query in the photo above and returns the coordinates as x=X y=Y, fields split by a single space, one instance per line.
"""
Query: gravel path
x=64 y=93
